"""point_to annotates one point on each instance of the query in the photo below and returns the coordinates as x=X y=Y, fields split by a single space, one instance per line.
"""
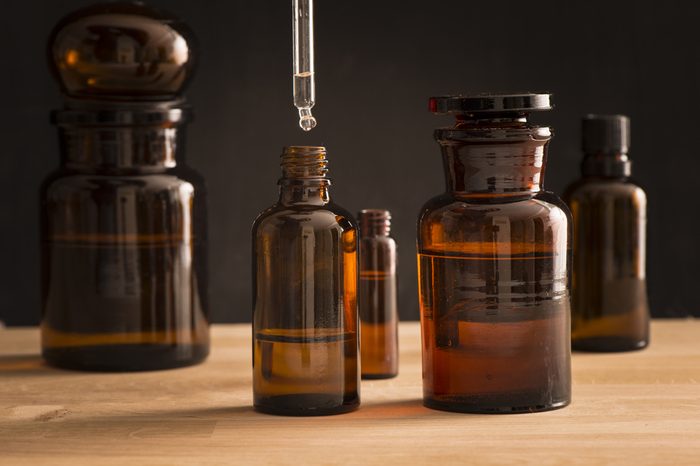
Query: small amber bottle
x=124 y=283
x=609 y=298
x=379 y=320
x=493 y=264
x=305 y=338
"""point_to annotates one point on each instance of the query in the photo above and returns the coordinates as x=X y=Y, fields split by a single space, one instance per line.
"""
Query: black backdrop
x=376 y=64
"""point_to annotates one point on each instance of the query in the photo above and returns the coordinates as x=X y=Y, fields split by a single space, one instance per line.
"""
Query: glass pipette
x=303 y=61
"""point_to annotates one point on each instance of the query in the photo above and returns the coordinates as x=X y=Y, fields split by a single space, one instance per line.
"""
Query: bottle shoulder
x=188 y=174
x=302 y=216
x=71 y=182
x=445 y=208
x=175 y=175
x=539 y=224
x=591 y=189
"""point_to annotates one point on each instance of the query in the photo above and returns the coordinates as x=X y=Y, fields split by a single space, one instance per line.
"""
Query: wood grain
x=638 y=408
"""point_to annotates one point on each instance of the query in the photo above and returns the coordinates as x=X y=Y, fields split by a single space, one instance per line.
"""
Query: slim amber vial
x=493 y=264
x=305 y=335
x=610 y=311
x=379 y=319
x=123 y=221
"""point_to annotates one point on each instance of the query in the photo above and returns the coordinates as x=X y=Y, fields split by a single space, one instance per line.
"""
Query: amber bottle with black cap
x=305 y=335
x=493 y=258
x=124 y=283
x=609 y=298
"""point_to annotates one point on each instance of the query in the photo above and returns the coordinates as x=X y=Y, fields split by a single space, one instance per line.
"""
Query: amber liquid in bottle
x=484 y=348
x=610 y=311
x=305 y=338
x=493 y=272
x=124 y=283
x=378 y=306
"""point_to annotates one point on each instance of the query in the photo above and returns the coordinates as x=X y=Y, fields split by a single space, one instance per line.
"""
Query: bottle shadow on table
x=33 y=365
x=407 y=410
x=203 y=422
x=390 y=411
x=71 y=422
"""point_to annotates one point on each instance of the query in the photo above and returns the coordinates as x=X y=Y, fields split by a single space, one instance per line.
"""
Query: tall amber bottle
x=124 y=283
x=379 y=314
x=493 y=264
x=609 y=299
x=305 y=338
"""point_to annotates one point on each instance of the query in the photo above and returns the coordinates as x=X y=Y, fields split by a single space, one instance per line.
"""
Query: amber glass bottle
x=305 y=342
x=609 y=299
x=493 y=264
x=124 y=283
x=379 y=319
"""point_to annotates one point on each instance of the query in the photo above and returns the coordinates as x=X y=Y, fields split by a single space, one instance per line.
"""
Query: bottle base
x=469 y=406
x=390 y=375
x=310 y=404
x=125 y=358
x=608 y=344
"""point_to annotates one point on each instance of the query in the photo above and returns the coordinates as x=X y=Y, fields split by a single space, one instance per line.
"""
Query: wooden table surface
x=631 y=408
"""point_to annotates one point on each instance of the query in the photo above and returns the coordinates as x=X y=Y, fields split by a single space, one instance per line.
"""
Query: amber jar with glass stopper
x=610 y=311
x=123 y=220
x=305 y=335
x=493 y=258
x=378 y=290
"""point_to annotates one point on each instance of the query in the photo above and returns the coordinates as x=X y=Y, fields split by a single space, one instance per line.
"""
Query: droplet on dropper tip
x=307 y=123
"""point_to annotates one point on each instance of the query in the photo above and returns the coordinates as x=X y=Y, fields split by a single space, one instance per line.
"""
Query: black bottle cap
x=605 y=141
x=605 y=134
x=491 y=103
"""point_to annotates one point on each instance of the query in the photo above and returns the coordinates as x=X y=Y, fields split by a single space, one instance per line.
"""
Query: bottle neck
x=304 y=180
x=374 y=222
x=294 y=192
x=494 y=161
x=606 y=165
x=120 y=137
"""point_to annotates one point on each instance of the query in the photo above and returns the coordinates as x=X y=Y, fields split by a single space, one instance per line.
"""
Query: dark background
x=377 y=63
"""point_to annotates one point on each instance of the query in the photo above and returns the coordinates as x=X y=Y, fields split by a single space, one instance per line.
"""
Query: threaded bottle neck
x=304 y=179
x=304 y=162
x=374 y=222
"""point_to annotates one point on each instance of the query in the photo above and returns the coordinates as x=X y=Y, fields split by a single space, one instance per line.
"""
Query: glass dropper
x=303 y=61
